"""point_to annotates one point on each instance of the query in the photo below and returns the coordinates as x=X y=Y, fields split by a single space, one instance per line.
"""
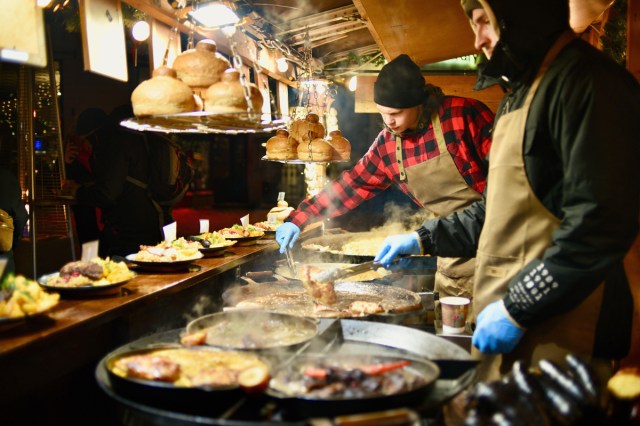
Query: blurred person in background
x=78 y=159
x=128 y=214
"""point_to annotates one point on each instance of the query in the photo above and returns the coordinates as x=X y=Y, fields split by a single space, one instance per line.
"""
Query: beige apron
x=438 y=185
x=517 y=230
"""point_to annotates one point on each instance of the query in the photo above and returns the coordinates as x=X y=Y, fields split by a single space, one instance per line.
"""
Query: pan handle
x=259 y=274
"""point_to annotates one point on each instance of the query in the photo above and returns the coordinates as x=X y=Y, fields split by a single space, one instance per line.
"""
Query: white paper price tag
x=89 y=250
x=244 y=220
x=280 y=196
x=204 y=225
x=169 y=232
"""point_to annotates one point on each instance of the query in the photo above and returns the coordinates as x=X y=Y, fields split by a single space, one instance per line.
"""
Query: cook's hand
x=286 y=235
x=495 y=331
x=396 y=245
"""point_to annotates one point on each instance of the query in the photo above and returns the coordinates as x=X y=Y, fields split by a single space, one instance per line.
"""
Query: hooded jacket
x=581 y=149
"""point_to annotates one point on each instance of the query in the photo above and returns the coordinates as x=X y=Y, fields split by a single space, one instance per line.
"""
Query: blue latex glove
x=286 y=235
x=396 y=245
x=495 y=331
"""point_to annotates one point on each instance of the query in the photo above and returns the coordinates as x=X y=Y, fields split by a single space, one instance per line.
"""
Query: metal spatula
x=334 y=274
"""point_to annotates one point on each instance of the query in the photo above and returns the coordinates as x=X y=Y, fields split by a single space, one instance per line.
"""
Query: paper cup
x=454 y=314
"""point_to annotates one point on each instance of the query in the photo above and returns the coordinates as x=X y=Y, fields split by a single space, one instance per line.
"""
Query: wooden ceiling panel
x=427 y=30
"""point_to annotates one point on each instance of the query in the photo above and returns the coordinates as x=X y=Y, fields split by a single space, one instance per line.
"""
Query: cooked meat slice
x=365 y=308
x=323 y=311
x=150 y=367
x=322 y=292
x=194 y=339
x=88 y=269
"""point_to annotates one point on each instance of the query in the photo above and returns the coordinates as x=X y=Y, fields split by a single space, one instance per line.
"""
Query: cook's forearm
x=455 y=235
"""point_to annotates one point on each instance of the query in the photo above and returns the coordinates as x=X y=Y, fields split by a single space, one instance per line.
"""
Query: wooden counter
x=44 y=358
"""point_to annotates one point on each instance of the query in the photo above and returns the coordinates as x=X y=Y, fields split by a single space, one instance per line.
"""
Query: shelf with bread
x=305 y=142
x=201 y=93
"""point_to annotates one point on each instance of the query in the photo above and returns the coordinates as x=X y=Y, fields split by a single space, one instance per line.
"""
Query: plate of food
x=244 y=236
x=212 y=243
x=268 y=228
x=167 y=256
x=22 y=298
x=95 y=277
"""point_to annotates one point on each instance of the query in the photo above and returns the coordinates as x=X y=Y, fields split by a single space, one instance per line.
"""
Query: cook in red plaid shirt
x=442 y=184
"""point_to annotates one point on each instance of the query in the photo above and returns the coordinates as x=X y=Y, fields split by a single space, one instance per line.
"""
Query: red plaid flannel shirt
x=466 y=124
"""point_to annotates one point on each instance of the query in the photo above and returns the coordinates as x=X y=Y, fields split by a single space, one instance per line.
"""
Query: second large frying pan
x=360 y=247
x=291 y=298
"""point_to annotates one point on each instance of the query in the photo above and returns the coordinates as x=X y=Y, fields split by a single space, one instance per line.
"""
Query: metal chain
x=237 y=64
x=190 y=39
x=172 y=36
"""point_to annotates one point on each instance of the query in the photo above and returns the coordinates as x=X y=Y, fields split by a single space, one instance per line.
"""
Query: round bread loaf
x=282 y=147
x=308 y=129
x=162 y=94
x=315 y=150
x=341 y=146
x=201 y=67
x=227 y=95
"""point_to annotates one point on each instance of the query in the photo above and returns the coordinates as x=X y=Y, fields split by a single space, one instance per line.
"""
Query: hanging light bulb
x=353 y=83
x=282 y=64
x=214 y=15
x=140 y=31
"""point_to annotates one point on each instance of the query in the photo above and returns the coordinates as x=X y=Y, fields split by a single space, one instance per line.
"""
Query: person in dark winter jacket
x=78 y=159
x=553 y=238
x=128 y=214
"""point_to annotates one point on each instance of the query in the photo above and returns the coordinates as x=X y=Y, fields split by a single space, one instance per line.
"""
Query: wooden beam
x=454 y=85
x=246 y=47
x=633 y=37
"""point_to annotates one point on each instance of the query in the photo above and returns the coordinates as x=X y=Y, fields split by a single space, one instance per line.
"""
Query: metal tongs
x=290 y=262
x=334 y=274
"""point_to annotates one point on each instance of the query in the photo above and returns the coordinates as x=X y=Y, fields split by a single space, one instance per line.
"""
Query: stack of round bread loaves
x=282 y=146
x=162 y=94
x=228 y=94
x=201 y=73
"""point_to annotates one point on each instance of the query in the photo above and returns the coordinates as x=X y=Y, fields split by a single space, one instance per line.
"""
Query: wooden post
x=633 y=37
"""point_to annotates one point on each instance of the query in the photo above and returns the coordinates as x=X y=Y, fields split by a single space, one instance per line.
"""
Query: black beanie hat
x=400 y=84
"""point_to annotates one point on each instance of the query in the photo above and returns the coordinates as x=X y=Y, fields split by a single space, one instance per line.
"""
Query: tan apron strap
x=403 y=174
x=562 y=41
x=439 y=134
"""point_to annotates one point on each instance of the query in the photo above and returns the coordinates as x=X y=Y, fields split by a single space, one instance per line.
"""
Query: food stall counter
x=42 y=354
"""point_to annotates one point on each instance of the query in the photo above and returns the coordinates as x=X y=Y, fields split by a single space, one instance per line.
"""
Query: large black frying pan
x=290 y=297
x=204 y=400
x=255 y=330
x=286 y=386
